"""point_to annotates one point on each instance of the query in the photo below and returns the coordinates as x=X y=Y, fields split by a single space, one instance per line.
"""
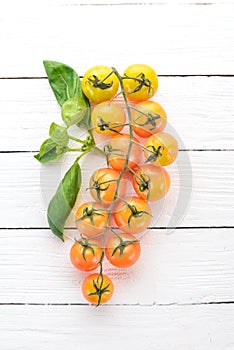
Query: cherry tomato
x=117 y=149
x=86 y=254
x=148 y=118
x=103 y=185
x=99 y=84
x=97 y=289
x=123 y=251
x=151 y=182
x=140 y=82
x=163 y=149
x=133 y=215
x=91 y=219
x=108 y=118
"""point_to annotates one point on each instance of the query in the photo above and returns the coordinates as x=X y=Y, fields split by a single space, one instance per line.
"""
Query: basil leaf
x=64 y=200
x=86 y=120
x=50 y=150
x=59 y=134
x=74 y=110
x=63 y=80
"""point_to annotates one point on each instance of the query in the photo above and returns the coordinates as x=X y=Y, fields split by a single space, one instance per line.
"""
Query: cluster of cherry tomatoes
x=141 y=154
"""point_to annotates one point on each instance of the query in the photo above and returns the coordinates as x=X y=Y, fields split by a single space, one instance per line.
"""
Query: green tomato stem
x=125 y=165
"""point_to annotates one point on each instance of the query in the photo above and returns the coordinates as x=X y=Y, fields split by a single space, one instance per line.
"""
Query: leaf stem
x=75 y=139
x=74 y=149
x=81 y=155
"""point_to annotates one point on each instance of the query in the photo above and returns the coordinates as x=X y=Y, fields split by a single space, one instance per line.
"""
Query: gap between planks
x=180 y=150
x=159 y=75
x=149 y=228
x=154 y=304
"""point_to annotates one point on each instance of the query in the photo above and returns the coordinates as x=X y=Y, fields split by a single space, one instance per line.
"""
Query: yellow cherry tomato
x=140 y=82
x=100 y=84
x=108 y=118
x=151 y=182
x=148 y=118
x=162 y=149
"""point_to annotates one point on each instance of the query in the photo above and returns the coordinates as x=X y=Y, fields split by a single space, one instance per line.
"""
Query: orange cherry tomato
x=85 y=255
x=103 y=185
x=151 y=182
x=140 y=82
x=133 y=215
x=123 y=251
x=148 y=118
x=97 y=289
x=91 y=219
x=108 y=118
x=163 y=149
x=117 y=149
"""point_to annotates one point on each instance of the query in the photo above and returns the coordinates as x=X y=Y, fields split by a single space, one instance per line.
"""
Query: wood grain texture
x=26 y=190
x=186 y=267
x=207 y=327
x=201 y=109
x=177 y=39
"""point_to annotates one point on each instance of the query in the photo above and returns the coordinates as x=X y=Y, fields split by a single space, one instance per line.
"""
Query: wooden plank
x=26 y=190
x=185 y=267
x=199 y=108
x=202 y=327
x=140 y=2
x=175 y=39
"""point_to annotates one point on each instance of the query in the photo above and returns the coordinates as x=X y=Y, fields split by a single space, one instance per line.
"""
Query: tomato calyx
x=156 y=153
x=103 y=126
x=143 y=182
x=122 y=246
x=150 y=119
x=142 y=81
x=86 y=245
x=100 y=84
x=99 y=291
x=134 y=211
x=89 y=212
x=98 y=186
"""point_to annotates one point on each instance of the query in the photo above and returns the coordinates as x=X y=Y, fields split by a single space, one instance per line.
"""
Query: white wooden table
x=181 y=294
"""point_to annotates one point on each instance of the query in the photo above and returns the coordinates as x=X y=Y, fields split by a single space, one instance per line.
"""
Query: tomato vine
x=99 y=84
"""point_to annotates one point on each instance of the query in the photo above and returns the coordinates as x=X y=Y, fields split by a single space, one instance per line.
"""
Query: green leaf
x=74 y=110
x=63 y=80
x=64 y=200
x=86 y=120
x=59 y=134
x=49 y=151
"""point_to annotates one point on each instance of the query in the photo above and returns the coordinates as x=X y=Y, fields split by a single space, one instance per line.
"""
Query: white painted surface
x=200 y=327
x=173 y=39
x=184 y=278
